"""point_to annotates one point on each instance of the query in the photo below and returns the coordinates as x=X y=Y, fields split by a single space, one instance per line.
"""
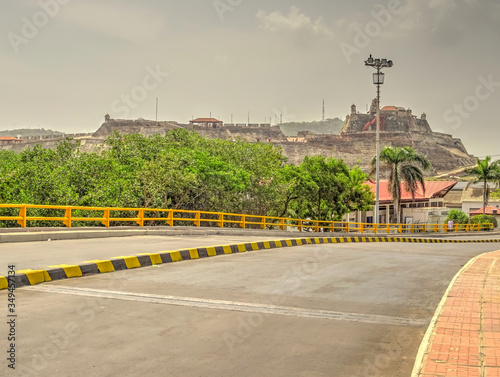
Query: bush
x=484 y=219
x=458 y=217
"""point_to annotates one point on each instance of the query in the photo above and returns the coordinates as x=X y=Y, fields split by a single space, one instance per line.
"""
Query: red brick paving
x=466 y=338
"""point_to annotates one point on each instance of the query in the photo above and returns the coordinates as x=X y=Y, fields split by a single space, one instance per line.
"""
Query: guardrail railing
x=173 y=217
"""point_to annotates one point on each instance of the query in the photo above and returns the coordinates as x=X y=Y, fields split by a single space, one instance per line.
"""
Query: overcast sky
x=65 y=64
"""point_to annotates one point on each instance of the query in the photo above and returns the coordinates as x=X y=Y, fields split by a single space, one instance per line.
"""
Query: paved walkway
x=465 y=338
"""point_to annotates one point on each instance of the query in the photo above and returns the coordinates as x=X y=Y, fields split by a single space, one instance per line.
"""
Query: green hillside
x=328 y=126
x=30 y=132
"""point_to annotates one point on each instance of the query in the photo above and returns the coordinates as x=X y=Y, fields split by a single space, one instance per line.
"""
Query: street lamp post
x=378 y=79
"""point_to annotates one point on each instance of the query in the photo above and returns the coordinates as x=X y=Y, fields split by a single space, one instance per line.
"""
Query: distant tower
x=323 y=110
x=353 y=109
x=107 y=118
x=424 y=116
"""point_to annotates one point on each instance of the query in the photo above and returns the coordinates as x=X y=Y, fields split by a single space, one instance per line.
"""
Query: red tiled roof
x=206 y=120
x=389 y=108
x=433 y=189
x=488 y=211
x=9 y=138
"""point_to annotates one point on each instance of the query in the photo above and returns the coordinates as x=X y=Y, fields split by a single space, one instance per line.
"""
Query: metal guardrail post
x=106 y=218
x=140 y=215
x=220 y=223
x=243 y=222
x=263 y=223
x=282 y=225
x=300 y=227
x=197 y=219
x=362 y=228
x=22 y=214
x=67 y=216
x=170 y=219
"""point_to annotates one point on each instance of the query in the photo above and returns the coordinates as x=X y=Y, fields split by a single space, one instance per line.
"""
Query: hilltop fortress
x=355 y=144
x=398 y=128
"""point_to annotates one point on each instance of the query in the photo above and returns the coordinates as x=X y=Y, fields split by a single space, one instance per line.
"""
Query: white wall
x=468 y=206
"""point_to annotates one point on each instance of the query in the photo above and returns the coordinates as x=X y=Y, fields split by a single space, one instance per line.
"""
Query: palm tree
x=404 y=166
x=485 y=171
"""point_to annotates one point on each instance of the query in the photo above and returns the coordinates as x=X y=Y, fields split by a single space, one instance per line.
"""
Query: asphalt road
x=317 y=310
x=35 y=255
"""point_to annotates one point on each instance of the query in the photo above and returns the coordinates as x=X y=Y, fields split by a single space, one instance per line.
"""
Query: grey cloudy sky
x=66 y=63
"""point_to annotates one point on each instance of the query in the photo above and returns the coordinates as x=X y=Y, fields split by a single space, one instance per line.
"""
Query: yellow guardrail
x=172 y=216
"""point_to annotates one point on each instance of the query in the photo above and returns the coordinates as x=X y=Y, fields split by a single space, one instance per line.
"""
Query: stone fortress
x=398 y=128
x=355 y=143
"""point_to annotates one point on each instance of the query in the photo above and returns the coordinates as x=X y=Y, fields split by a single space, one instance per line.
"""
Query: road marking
x=232 y=306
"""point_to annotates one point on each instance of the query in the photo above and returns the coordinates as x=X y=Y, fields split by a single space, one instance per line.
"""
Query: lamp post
x=378 y=79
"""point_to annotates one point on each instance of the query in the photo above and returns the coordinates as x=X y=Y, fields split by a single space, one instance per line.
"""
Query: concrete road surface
x=317 y=310
x=35 y=255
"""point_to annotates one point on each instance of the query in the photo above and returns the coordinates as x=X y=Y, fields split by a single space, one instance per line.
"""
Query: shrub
x=458 y=217
x=484 y=219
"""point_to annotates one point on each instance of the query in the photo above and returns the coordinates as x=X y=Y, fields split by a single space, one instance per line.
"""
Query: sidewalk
x=464 y=337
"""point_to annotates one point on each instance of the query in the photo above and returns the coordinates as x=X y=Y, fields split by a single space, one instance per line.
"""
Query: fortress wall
x=252 y=134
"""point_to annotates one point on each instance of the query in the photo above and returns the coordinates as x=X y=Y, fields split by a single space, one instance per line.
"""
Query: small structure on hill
x=8 y=140
x=207 y=122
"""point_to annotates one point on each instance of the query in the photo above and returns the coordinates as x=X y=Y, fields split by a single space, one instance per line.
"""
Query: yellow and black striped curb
x=59 y=272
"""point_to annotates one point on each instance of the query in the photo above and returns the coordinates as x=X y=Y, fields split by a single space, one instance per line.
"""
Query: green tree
x=458 y=217
x=325 y=189
x=485 y=171
x=179 y=170
x=405 y=167
x=484 y=219
x=495 y=195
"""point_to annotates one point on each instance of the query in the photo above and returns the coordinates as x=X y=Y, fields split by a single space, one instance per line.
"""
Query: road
x=316 y=310
x=35 y=255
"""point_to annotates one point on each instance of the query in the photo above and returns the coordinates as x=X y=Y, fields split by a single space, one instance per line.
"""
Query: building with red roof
x=206 y=122
x=490 y=210
x=6 y=140
x=433 y=190
x=426 y=207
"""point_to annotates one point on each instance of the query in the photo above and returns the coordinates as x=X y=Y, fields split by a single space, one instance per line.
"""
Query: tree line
x=182 y=170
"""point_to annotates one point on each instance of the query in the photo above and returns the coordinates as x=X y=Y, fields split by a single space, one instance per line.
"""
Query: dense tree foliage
x=182 y=170
x=457 y=216
x=484 y=219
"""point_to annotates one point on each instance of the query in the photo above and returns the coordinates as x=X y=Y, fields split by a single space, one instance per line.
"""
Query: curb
x=59 y=272
x=15 y=235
